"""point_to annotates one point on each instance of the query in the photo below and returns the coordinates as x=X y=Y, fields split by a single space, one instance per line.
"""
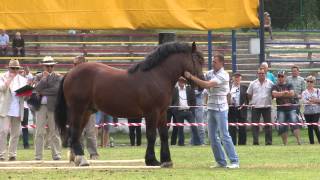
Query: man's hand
x=45 y=74
x=187 y=74
x=10 y=78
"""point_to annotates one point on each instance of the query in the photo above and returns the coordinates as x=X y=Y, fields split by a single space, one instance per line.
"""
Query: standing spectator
x=18 y=45
x=269 y=74
x=299 y=85
x=174 y=133
x=24 y=122
x=135 y=132
x=47 y=85
x=89 y=131
x=4 y=43
x=238 y=110
x=259 y=94
x=218 y=88
x=267 y=24
x=103 y=121
x=286 y=113
x=28 y=74
x=311 y=100
x=199 y=114
x=183 y=97
x=11 y=109
x=25 y=133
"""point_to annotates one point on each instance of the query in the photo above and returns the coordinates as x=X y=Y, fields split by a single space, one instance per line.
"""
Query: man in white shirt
x=183 y=97
x=259 y=93
x=89 y=131
x=11 y=109
x=218 y=87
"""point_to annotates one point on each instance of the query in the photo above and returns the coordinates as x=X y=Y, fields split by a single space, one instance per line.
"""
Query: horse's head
x=197 y=61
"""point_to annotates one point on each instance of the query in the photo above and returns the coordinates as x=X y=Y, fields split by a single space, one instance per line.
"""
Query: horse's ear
x=194 y=47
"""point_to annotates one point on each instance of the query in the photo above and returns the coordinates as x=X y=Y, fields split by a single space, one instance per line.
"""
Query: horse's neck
x=171 y=70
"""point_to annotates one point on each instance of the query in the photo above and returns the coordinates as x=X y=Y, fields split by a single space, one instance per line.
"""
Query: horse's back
x=114 y=91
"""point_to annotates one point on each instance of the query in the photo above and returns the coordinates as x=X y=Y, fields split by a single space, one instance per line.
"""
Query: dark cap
x=236 y=74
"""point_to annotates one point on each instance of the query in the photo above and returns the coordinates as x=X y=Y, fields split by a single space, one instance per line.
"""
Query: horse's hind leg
x=78 y=121
x=150 y=158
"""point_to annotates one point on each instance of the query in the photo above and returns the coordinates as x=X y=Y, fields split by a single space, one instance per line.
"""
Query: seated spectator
x=267 y=24
x=4 y=43
x=286 y=113
x=183 y=97
x=135 y=131
x=18 y=45
x=311 y=100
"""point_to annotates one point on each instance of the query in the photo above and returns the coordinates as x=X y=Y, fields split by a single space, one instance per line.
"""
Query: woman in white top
x=310 y=98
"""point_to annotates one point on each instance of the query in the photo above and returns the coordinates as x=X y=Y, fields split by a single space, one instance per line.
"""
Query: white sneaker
x=233 y=166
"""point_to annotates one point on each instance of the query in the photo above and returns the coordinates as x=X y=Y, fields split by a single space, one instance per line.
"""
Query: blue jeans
x=187 y=115
x=289 y=116
x=199 y=117
x=218 y=125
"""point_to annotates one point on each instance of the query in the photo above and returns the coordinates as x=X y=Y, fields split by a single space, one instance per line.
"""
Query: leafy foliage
x=294 y=14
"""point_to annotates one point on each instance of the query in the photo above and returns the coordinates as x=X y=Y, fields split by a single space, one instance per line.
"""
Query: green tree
x=294 y=14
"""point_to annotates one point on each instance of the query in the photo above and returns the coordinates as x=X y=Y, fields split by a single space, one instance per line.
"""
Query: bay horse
x=144 y=90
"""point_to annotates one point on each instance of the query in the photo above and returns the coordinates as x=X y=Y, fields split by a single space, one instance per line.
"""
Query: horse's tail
x=60 y=112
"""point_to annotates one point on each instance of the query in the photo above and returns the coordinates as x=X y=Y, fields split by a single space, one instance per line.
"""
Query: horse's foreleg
x=165 y=156
x=150 y=158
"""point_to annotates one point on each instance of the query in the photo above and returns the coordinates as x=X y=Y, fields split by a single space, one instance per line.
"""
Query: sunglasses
x=280 y=76
x=49 y=66
x=310 y=81
x=14 y=68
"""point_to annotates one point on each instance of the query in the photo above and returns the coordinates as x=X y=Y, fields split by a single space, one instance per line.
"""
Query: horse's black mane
x=159 y=55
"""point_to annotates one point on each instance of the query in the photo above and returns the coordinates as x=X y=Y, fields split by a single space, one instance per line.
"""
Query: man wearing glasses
x=286 y=113
x=259 y=94
x=47 y=85
x=11 y=109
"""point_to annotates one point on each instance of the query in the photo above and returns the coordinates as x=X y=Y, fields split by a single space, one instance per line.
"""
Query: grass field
x=256 y=162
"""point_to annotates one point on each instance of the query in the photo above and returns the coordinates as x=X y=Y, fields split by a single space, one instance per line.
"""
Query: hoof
x=80 y=161
x=153 y=163
x=167 y=164
x=71 y=156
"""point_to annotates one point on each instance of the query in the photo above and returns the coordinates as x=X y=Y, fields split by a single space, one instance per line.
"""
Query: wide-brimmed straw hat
x=48 y=60
x=14 y=63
